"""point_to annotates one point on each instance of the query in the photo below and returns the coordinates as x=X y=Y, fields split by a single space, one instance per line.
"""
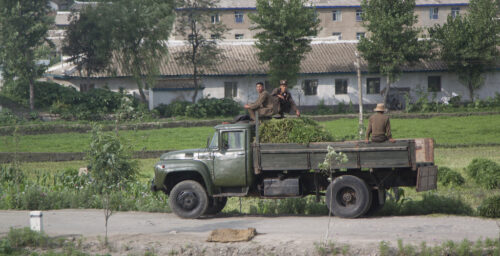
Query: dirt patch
x=227 y=235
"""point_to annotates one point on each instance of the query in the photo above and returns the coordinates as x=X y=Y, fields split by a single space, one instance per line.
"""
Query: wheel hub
x=347 y=196
x=187 y=200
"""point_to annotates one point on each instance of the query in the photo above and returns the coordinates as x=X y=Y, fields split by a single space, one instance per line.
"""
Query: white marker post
x=36 y=223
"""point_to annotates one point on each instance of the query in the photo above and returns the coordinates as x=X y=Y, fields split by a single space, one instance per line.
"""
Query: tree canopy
x=284 y=30
x=392 y=39
x=23 y=27
x=195 y=25
x=468 y=42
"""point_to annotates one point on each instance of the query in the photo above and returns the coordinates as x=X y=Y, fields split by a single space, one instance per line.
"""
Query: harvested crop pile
x=293 y=130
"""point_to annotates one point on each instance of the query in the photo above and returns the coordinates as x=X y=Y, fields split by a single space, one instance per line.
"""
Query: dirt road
x=285 y=235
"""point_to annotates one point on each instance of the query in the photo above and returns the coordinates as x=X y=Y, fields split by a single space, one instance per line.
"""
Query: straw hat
x=380 y=108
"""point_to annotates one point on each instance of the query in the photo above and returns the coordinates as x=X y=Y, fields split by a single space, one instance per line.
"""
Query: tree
x=284 y=28
x=88 y=41
x=23 y=26
x=467 y=43
x=392 y=41
x=195 y=25
x=140 y=31
x=111 y=169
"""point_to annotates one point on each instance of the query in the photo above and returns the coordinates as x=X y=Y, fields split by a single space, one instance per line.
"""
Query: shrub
x=296 y=130
x=46 y=93
x=176 y=108
x=211 y=107
x=9 y=118
x=484 y=172
x=429 y=204
x=490 y=207
x=447 y=176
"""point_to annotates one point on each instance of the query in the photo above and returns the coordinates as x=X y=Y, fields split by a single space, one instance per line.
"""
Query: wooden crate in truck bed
x=295 y=157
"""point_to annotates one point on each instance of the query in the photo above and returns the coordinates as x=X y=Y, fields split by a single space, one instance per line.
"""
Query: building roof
x=250 y=4
x=241 y=60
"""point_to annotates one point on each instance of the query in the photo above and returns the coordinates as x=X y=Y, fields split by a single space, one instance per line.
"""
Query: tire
x=188 y=199
x=215 y=205
x=348 y=197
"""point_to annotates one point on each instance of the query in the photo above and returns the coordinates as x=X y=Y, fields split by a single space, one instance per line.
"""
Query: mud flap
x=427 y=178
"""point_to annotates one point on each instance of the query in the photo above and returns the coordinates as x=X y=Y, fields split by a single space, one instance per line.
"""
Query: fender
x=165 y=168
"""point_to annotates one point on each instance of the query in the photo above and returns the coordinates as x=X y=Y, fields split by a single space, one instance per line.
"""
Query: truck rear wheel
x=188 y=199
x=348 y=197
x=215 y=205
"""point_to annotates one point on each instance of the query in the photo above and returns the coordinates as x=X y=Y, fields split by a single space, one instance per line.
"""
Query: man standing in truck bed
x=379 y=126
x=265 y=105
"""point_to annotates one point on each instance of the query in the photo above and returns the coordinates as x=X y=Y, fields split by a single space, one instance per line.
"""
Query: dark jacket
x=287 y=104
x=379 y=127
x=265 y=105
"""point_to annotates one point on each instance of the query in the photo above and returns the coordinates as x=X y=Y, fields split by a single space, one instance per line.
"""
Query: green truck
x=235 y=164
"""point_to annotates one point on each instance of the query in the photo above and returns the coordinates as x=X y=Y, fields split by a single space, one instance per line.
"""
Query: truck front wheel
x=348 y=197
x=188 y=199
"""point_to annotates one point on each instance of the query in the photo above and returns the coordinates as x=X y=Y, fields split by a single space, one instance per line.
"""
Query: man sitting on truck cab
x=265 y=105
x=379 y=126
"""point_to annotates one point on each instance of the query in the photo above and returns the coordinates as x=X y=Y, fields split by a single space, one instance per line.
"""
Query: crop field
x=446 y=131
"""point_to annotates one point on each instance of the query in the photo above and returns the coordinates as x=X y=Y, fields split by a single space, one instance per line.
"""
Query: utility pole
x=361 y=127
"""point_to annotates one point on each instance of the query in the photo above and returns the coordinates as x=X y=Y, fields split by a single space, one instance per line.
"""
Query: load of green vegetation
x=293 y=130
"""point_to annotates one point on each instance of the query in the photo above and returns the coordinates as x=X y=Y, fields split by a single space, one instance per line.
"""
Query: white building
x=327 y=75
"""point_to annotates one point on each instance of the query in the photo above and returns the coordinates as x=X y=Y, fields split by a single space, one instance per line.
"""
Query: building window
x=238 y=36
x=359 y=15
x=338 y=35
x=360 y=35
x=434 y=13
x=86 y=87
x=336 y=15
x=373 y=85
x=238 y=17
x=230 y=90
x=215 y=36
x=455 y=11
x=434 y=84
x=215 y=18
x=310 y=87
x=340 y=86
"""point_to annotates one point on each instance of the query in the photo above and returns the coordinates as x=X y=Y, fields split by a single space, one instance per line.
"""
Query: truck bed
x=294 y=157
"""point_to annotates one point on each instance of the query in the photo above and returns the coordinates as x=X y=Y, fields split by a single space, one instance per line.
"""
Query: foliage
x=283 y=36
x=9 y=118
x=430 y=203
x=490 y=207
x=176 y=108
x=451 y=104
x=392 y=41
x=468 y=42
x=297 y=130
x=211 y=107
x=332 y=160
x=447 y=176
x=110 y=161
x=88 y=40
x=24 y=25
x=465 y=247
x=484 y=172
x=47 y=93
x=306 y=205
x=140 y=28
x=194 y=24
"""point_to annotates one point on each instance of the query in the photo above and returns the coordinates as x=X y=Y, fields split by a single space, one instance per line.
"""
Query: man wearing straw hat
x=379 y=126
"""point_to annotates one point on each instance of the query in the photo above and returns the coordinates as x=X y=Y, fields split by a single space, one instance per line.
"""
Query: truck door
x=230 y=160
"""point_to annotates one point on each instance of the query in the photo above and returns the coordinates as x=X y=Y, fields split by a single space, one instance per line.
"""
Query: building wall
x=347 y=25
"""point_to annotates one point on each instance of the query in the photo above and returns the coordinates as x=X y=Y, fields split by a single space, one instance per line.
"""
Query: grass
x=447 y=131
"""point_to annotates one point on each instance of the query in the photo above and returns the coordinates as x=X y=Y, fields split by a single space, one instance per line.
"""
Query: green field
x=447 y=131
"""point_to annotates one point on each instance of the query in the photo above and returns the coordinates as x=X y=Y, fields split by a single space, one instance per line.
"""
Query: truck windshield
x=214 y=143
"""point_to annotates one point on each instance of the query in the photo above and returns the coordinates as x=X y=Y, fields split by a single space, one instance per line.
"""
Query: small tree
x=284 y=28
x=111 y=168
x=467 y=43
x=88 y=40
x=194 y=24
x=140 y=32
x=23 y=27
x=392 y=41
